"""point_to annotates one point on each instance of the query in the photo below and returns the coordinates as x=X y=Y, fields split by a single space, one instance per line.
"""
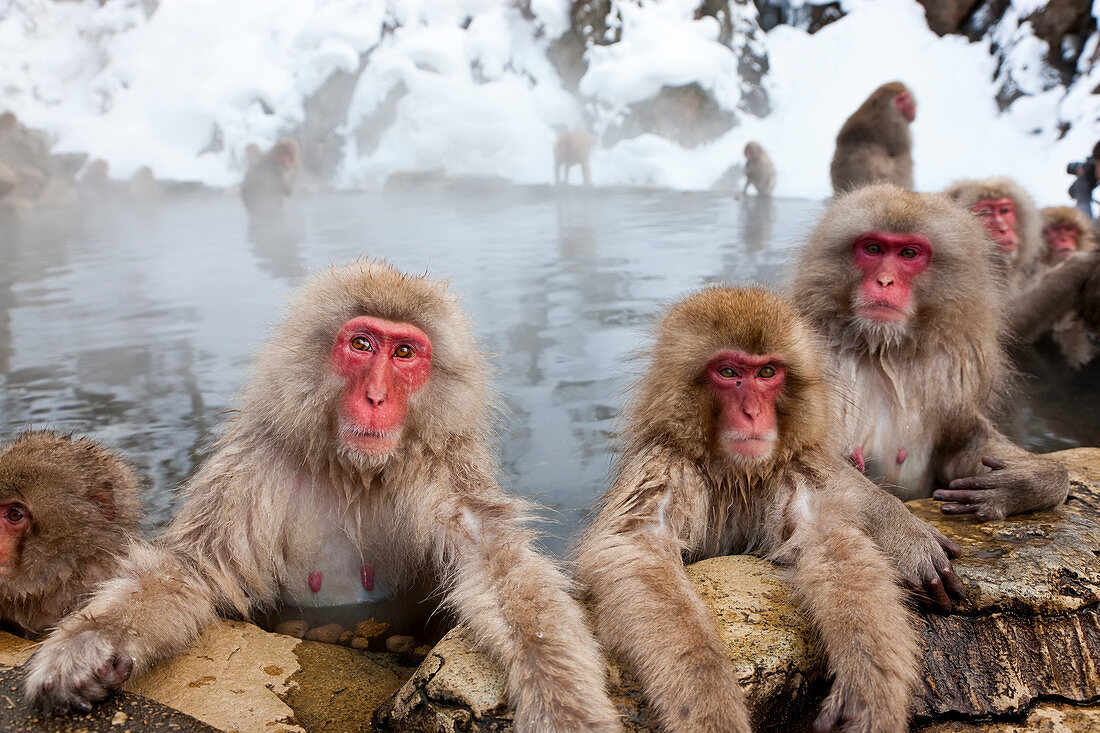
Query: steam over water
x=134 y=322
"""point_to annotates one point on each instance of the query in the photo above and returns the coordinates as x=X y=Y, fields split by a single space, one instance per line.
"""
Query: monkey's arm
x=647 y=609
x=922 y=553
x=1017 y=482
x=518 y=606
x=1035 y=311
x=849 y=590
x=218 y=554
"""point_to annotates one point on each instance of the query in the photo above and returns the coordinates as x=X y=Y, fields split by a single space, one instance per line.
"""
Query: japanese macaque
x=68 y=510
x=1038 y=297
x=759 y=170
x=1067 y=231
x=95 y=182
x=730 y=445
x=902 y=286
x=875 y=145
x=269 y=180
x=572 y=148
x=358 y=461
x=143 y=185
x=1012 y=220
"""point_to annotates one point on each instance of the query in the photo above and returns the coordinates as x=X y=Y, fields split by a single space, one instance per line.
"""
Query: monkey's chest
x=890 y=440
x=333 y=571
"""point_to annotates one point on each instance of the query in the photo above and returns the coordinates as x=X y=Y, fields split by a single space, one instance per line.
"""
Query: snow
x=465 y=86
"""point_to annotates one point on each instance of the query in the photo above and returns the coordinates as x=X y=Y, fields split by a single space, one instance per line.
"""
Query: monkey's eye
x=908 y=253
x=404 y=351
x=872 y=248
x=767 y=371
x=361 y=344
x=14 y=514
x=727 y=372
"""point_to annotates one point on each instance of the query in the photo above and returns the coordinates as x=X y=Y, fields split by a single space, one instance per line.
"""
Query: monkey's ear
x=103 y=494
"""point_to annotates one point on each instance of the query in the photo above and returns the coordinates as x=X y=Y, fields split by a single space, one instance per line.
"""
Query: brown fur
x=571 y=148
x=874 y=145
x=270 y=179
x=926 y=384
x=678 y=497
x=281 y=487
x=85 y=507
x=143 y=185
x=1022 y=269
x=759 y=170
x=1086 y=236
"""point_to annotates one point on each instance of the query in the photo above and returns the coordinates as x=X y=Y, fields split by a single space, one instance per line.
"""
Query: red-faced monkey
x=270 y=179
x=358 y=460
x=901 y=284
x=68 y=509
x=875 y=145
x=730 y=445
x=759 y=170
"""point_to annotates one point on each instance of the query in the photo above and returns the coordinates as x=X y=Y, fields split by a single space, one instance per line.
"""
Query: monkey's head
x=734 y=373
x=894 y=97
x=368 y=363
x=58 y=500
x=1009 y=216
x=886 y=268
x=1066 y=230
x=287 y=153
x=752 y=150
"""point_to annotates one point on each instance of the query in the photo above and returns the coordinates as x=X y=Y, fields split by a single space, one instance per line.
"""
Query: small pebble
x=297 y=629
x=346 y=637
x=423 y=650
x=371 y=629
x=400 y=644
x=360 y=642
x=120 y=718
x=329 y=633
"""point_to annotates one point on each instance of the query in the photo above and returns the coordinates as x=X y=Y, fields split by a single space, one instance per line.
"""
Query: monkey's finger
x=959 y=508
x=965 y=486
x=934 y=587
x=952 y=582
x=949 y=547
x=116 y=671
x=995 y=463
x=827 y=719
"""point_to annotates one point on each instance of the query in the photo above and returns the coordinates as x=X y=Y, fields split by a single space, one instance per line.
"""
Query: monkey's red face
x=747 y=386
x=382 y=363
x=15 y=521
x=1061 y=240
x=889 y=263
x=999 y=217
x=905 y=104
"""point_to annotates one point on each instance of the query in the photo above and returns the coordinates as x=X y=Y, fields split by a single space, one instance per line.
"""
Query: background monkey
x=729 y=446
x=759 y=170
x=901 y=285
x=68 y=510
x=270 y=178
x=875 y=145
x=359 y=460
x=571 y=148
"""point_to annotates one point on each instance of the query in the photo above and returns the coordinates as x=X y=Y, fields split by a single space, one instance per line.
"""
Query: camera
x=1076 y=169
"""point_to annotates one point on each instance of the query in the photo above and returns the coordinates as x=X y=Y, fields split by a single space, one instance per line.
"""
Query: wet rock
x=360 y=642
x=371 y=629
x=1027 y=633
x=328 y=634
x=947 y=16
x=297 y=629
x=398 y=644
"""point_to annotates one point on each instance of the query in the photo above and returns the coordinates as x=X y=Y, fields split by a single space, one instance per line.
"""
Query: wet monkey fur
x=69 y=509
x=730 y=445
x=359 y=458
x=901 y=286
x=875 y=144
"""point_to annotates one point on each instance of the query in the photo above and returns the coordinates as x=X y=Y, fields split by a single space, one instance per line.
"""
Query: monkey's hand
x=1026 y=484
x=858 y=713
x=74 y=669
x=923 y=556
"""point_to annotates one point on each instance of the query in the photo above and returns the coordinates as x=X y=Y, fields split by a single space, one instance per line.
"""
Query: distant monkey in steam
x=68 y=509
x=1066 y=232
x=730 y=445
x=359 y=457
x=759 y=170
x=901 y=284
x=875 y=145
x=270 y=179
x=572 y=148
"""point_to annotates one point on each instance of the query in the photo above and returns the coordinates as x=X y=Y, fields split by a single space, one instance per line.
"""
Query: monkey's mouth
x=369 y=440
x=881 y=310
x=1006 y=242
x=745 y=445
